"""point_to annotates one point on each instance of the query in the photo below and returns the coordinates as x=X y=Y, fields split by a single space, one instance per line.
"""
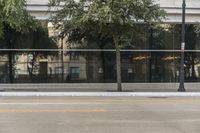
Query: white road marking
x=111 y=94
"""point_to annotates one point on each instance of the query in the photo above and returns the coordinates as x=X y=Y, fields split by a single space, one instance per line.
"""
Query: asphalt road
x=99 y=115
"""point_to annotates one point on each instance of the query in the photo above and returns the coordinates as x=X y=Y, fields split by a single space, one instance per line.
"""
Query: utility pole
x=182 y=74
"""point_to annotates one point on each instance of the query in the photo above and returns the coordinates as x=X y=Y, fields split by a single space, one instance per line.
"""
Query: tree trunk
x=118 y=64
x=103 y=65
x=101 y=44
x=150 y=59
x=10 y=58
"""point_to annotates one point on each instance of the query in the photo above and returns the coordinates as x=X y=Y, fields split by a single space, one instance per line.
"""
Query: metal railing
x=97 y=66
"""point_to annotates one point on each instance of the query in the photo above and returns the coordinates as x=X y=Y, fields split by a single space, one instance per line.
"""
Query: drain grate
x=158 y=97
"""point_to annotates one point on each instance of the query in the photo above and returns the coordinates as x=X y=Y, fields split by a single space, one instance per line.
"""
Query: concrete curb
x=109 y=94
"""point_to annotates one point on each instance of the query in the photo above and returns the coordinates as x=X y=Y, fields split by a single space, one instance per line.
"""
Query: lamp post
x=182 y=74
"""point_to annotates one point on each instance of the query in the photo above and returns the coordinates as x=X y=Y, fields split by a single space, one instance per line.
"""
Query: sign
x=183 y=46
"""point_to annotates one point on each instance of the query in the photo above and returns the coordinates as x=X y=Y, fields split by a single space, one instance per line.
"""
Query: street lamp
x=182 y=74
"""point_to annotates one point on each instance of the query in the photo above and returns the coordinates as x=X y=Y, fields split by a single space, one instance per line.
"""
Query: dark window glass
x=74 y=72
x=74 y=56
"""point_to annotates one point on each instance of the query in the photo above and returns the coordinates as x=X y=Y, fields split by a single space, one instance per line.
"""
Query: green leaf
x=105 y=18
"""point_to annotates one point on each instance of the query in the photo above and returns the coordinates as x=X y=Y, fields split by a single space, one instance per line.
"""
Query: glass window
x=74 y=72
x=74 y=56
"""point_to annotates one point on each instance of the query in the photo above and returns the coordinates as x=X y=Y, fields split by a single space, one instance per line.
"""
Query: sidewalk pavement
x=97 y=87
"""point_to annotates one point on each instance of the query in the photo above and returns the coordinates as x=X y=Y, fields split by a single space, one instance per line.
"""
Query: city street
x=99 y=114
x=99 y=66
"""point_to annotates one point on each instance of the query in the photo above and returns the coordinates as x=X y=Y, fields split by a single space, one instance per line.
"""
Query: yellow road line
x=51 y=101
x=52 y=111
x=161 y=101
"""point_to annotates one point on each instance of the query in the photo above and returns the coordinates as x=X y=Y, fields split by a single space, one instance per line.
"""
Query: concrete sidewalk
x=98 y=87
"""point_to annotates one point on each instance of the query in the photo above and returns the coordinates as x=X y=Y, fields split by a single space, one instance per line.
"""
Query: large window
x=140 y=66
x=74 y=55
x=74 y=72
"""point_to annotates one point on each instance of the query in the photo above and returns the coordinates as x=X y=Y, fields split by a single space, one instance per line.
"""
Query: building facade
x=172 y=7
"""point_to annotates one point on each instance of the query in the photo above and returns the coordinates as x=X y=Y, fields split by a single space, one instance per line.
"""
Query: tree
x=35 y=39
x=13 y=19
x=14 y=15
x=116 y=19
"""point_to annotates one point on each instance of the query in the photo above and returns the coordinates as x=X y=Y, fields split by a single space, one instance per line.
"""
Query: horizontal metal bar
x=157 y=50
x=56 y=50
x=93 y=50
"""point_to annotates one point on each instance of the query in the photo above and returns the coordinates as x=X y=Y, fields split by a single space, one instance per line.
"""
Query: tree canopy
x=13 y=13
x=106 y=17
x=115 y=19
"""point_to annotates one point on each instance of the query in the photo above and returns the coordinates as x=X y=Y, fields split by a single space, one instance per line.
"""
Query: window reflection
x=89 y=66
x=4 y=75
